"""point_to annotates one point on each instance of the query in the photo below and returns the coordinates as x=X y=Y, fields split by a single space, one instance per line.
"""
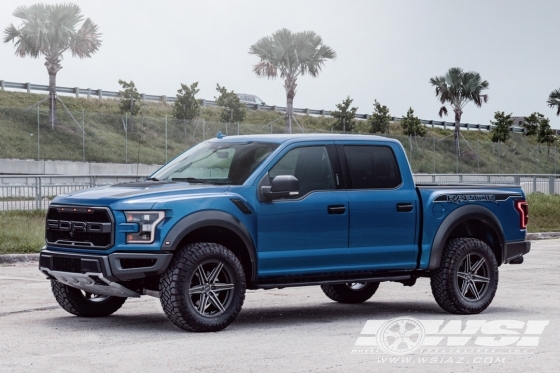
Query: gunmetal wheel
x=211 y=288
x=473 y=277
x=467 y=279
x=350 y=292
x=204 y=288
x=81 y=303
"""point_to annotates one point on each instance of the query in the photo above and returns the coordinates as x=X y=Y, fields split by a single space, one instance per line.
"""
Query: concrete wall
x=30 y=167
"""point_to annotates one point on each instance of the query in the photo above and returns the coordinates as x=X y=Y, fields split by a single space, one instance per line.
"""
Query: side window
x=310 y=165
x=372 y=167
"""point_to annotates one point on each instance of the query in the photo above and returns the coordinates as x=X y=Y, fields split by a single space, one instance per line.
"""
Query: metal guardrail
x=35 y=192
x=88 y=92
x=542 y=183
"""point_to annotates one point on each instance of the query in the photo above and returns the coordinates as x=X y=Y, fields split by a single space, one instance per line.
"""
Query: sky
x=387 y=50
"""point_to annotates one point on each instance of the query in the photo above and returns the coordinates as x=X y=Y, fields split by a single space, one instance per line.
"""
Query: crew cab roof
x=281 y=138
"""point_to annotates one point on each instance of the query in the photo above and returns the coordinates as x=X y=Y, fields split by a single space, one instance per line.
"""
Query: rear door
x=383 y=207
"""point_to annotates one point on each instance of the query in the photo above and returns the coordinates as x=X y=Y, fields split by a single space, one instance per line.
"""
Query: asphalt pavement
x=294 y=330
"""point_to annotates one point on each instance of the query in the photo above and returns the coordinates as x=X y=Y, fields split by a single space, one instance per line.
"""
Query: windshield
x=216 y=163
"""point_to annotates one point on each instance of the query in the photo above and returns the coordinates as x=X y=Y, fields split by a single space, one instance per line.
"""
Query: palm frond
x=554 y=100
x=265 y=69
x=27 y=13
x=263 y=48
x=326 y=52
x=86 y=41
x=283 y=38
x=11 y=33
x=555 y=95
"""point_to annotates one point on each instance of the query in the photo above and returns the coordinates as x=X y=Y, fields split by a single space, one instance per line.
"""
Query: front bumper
x=514 y=250
x=101 y=274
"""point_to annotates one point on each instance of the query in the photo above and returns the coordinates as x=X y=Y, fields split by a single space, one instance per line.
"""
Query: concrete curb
x=18 y=258
x=543 y=236
x=15 y=258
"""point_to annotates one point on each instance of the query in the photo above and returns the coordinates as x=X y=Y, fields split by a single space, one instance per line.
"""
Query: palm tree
x=554 y=100
x=293 y=54
x=458 y=88
x=51 y=30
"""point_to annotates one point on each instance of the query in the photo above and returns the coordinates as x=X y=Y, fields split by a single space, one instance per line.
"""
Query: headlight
x=147 y=222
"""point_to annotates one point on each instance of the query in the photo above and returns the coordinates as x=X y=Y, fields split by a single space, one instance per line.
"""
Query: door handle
x=336 y=210
x=404 y=207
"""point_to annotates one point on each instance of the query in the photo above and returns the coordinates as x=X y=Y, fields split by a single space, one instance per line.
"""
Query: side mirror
x=283 y=186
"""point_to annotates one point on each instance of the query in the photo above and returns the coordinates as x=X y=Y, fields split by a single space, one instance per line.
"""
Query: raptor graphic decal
x=467 y=198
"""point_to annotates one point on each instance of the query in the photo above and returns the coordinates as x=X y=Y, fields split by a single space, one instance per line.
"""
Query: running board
x=284 y=282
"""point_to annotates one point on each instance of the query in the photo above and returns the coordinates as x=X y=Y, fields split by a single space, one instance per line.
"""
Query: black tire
x=203 y=288
x=81 y=303
x=351 y=292
x=467 y=278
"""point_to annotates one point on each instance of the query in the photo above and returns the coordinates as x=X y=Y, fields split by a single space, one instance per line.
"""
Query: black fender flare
x=214 y=218
x=453 y=220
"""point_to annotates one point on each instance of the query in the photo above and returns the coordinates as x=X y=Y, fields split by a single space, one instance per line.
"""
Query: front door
x=308 y=233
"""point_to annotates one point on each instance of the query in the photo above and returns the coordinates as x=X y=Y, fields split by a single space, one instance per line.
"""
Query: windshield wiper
x=152 y=179
x=191 y=180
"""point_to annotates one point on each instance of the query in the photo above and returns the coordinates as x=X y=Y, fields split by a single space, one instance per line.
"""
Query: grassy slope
x=105 y=137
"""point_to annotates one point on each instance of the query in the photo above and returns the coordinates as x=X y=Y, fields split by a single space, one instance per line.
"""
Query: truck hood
x=137 y=195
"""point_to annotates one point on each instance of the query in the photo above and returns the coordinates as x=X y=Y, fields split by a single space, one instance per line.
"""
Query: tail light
x=523 y=210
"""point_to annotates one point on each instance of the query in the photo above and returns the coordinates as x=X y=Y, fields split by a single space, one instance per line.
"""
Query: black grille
x=67 y=264
x=79 y=227
x=95 y=216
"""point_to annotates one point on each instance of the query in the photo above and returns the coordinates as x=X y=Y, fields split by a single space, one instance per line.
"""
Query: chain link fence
x=520 y=155
x=99 y=137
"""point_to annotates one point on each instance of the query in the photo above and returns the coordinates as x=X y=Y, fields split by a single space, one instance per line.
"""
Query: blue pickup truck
x=271 y=211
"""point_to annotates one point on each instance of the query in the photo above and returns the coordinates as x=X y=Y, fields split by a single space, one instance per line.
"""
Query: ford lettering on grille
x=78 y=226
x=71 y=226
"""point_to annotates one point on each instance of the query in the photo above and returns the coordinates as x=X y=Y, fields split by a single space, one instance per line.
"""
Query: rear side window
x=372 y=167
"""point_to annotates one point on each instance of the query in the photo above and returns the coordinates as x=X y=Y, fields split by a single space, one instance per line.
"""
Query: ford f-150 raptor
x=271 y=211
